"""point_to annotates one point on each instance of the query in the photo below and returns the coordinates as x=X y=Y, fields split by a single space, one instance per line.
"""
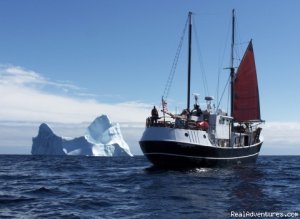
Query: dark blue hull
x=184 y=155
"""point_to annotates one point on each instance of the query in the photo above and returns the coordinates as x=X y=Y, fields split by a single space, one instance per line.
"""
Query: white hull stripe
x=212 y=146
x=209 y=158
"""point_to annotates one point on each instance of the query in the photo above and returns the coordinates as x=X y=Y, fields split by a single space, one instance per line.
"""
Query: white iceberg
x=102 y=138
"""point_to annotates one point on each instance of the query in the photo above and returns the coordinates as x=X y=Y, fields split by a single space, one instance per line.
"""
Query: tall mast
x=231 y=64
x=189 y=62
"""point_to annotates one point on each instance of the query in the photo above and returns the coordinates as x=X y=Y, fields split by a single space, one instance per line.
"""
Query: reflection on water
x=262 y=187
x=248 y=193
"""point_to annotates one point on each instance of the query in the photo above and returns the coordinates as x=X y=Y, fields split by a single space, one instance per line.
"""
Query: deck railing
x=175 y=123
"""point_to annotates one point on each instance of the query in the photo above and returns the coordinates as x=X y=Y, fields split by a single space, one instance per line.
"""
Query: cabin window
x=221 y=121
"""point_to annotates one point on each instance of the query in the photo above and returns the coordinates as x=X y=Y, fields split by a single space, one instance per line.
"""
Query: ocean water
x=97 y=187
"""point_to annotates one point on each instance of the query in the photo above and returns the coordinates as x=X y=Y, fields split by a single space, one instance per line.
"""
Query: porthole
x=186 y=134
x=204 y=136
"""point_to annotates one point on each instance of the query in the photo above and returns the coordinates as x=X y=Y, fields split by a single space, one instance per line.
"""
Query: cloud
x=28 y=96
x=282 y=133
x=18 y=76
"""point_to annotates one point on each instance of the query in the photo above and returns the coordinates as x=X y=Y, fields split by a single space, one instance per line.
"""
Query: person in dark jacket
x=154 y=116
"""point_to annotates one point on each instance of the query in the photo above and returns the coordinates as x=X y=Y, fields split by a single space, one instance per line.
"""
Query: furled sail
x=246 y=95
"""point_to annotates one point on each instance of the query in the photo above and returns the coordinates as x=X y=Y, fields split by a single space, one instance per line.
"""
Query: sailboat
x=209 y=138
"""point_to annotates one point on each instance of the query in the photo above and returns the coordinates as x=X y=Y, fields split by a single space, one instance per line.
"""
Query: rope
x=174 y=65
x=223 y=93
x=221 y=61
x=202 y=69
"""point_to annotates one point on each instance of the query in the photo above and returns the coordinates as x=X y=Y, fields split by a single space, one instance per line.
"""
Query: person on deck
x=154 y=116
x=196 y=111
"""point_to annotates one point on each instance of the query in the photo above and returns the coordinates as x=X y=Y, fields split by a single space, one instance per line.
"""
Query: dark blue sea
x=98 y=187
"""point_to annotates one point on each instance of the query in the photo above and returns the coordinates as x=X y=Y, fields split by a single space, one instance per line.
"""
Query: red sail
x=246 y=96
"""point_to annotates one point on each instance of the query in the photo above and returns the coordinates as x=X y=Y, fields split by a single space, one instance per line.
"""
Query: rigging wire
x=224 y=93
x=202 y=69
x=174 y=65
x=221 y=61
x=237 y=45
